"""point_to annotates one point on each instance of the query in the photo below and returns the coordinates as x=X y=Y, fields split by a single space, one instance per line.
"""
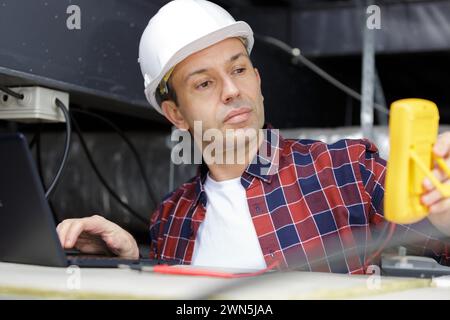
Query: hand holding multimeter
x=413 y=130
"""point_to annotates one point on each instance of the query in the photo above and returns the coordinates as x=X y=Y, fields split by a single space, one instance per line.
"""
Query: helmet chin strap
x=163 y=89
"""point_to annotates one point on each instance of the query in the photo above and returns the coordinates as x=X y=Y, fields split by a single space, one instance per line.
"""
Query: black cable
x=297 y=56
x=32 y=141
x=37 y=139
x=56 y=179
x=100 y=176
x=130 y=145
x=11 y=93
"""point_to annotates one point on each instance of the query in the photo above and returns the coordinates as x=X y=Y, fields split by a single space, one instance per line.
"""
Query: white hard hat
x=179 y=29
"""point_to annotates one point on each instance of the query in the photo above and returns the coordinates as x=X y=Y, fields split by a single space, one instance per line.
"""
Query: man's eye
x=203 y=85
x=239 y=70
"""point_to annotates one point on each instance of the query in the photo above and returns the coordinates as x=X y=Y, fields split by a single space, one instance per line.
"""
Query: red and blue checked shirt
x=318 y=208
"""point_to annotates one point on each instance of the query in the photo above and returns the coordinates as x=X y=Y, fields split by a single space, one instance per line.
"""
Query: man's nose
x=229 y=91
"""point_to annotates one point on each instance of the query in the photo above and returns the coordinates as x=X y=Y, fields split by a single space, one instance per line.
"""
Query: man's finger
x=90 y=245
x=61 y=230
x=73 y=232
x=430 y=198
x=442 y=145
x=63 y=224
x=98 y=225
x=439 y=174
x=440 y=207
x=427 y=184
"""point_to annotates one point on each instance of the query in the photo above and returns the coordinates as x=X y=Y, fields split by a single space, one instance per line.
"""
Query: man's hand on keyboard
x=97 y=235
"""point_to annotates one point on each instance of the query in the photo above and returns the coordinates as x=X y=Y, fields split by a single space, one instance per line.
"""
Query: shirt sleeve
x=155 y=224
x=420 y=238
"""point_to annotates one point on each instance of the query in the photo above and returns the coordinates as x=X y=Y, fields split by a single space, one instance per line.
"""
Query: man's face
x=219 y=87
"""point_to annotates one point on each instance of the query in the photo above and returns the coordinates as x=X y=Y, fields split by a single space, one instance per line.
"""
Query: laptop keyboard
x=99 y=261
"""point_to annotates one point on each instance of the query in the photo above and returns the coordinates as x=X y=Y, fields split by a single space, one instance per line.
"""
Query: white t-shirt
x=227 y=237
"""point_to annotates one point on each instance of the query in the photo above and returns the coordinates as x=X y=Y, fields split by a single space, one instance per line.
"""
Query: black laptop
x=27 y=227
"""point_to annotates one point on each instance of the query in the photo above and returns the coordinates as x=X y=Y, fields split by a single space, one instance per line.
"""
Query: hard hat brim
x=237 y=29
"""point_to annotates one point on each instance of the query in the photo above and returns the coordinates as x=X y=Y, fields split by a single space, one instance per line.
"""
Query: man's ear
x=173 y=114
x=258 y=76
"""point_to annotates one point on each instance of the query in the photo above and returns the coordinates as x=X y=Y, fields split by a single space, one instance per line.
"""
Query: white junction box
x=38 y=104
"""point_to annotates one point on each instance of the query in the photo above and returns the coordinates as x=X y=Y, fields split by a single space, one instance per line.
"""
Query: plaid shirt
x=313 y=205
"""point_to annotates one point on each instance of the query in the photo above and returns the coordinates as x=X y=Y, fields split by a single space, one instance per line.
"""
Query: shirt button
x=257 y=209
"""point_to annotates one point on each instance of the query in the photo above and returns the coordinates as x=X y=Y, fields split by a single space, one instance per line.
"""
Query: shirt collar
x=265 y=164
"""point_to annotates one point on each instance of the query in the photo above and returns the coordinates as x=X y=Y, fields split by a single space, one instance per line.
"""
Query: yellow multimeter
x=413 y=129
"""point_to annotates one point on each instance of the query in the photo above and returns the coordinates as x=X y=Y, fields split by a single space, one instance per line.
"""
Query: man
x=307 y=204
